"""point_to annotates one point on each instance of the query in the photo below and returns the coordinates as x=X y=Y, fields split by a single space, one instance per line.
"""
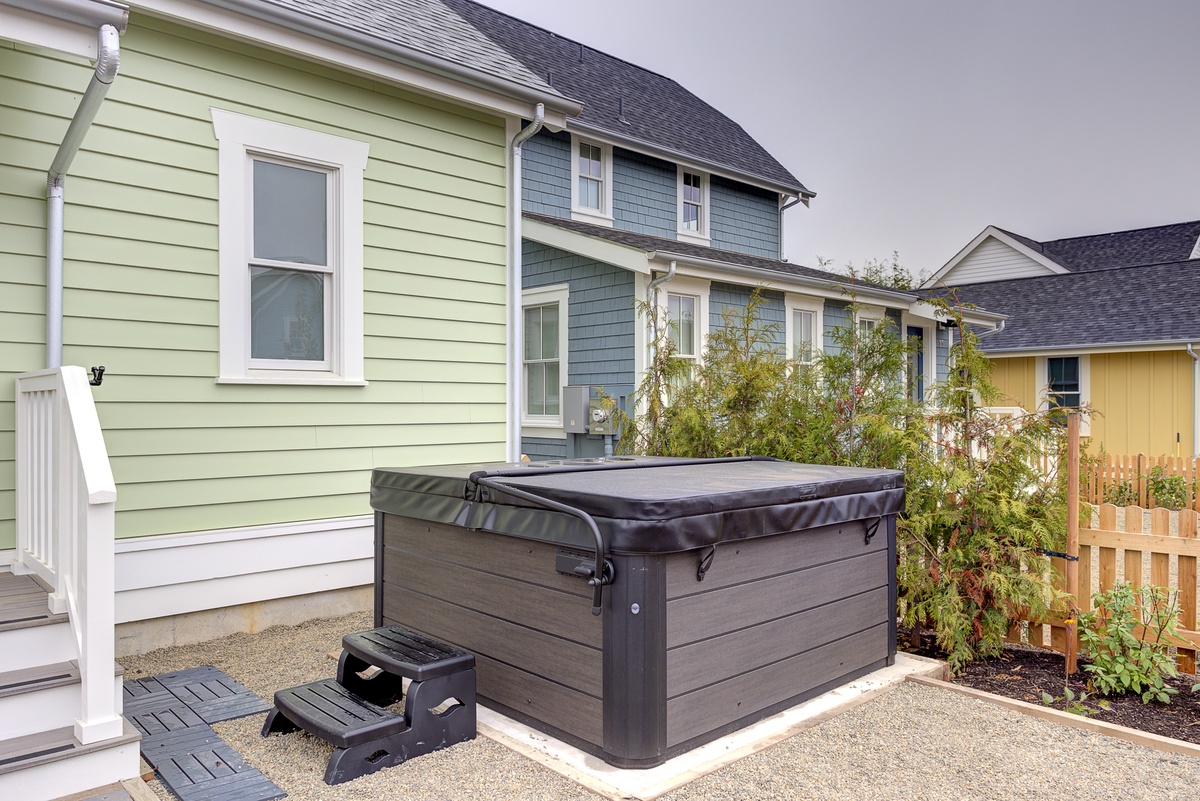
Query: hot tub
x=732 y=588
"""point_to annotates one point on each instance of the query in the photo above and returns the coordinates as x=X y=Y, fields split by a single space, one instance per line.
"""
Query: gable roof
x=1137 y=305
x=626 y=102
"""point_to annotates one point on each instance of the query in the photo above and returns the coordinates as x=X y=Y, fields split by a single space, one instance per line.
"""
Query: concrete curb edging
x=1135 y=736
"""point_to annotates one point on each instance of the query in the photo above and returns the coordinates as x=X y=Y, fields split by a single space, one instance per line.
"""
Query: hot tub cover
x=643 y=504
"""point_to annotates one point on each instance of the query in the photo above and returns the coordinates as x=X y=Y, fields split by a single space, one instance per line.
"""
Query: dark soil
x=1025 y=673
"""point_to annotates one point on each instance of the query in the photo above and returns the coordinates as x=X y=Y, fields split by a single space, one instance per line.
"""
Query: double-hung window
x=544 y=354
x=693 y=206
x=291 y=262
x=591 y=188
x=803 y=324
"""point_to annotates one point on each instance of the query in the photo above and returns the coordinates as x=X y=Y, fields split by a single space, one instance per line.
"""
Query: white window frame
x=816 y=306
x=581 y=213
x=240 y=139
x=866 y=313
x=545 y=296
x=701 y=237
x=1042 y=366
x=929 y=341
x=688 y=287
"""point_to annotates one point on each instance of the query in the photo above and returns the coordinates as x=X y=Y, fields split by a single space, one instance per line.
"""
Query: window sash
x=693 y=201
x=543 y=385
x=803 y=344
x=591 y=176
x=1065 y=390
x=681 y=317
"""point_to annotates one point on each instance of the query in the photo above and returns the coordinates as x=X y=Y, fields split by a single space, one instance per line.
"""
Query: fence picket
x=1187 y=590
x=1108 y=556
x=1133 y=559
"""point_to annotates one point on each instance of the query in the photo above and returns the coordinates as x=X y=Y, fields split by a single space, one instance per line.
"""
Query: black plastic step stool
x=348 y=711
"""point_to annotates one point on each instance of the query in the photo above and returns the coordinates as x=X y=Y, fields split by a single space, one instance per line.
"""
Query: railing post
x=1071 y=569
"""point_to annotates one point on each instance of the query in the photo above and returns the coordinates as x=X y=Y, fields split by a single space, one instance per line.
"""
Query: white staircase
x=61 y=729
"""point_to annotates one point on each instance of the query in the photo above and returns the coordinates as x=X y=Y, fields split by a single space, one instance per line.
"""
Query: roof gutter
x=774 y=275
x=89 y=13
x=1195 y=401
x=305 y=23
x=670 y=154
x=108 y=61
x=516 y=315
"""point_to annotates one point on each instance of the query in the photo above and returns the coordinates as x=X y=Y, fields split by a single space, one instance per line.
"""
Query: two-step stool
x=349 y=711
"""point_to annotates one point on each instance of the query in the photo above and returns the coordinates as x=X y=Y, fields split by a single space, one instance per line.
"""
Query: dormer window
x=693 y=206
x=591 y=192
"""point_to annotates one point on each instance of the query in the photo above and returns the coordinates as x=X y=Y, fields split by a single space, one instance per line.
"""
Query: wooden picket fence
x=1130 y=547
x=1102 y=473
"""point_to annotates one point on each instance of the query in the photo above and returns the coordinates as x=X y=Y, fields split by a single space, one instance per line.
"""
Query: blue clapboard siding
x=942 y=352
x=644 y=194
x=743 y=218
x=600 y=323
x=834 y=313
x=540 y=449
x=727 y=298
x=546 y=174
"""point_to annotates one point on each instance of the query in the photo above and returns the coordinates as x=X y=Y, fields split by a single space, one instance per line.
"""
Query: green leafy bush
x=1167 y=490
x=1127 y=638
x=1121 y=494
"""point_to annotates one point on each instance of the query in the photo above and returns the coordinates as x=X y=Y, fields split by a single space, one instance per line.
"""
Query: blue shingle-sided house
x=650 y=178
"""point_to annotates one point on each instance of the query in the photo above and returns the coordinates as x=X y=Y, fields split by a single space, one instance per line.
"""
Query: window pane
x=549 y=332
x=691 y=217
x=536 y=387
x=552 y=388
x=802 y=335
x=691 y=187
x=290 y=213
x=589 y=192
x=287 y=314
x=681 y=312
x=1064 y=373
x=533 y=333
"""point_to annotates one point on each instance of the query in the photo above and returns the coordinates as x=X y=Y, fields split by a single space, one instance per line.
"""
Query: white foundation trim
x=175 y=574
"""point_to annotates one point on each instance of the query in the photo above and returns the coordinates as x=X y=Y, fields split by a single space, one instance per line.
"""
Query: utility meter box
x=583 y=414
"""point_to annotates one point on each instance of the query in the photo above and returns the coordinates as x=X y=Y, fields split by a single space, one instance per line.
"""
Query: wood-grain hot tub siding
x=798 y=596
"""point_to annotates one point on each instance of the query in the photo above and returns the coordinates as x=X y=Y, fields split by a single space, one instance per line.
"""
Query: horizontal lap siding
x=530 y=627
x=142 y=282
x=774 y=618
x=993 y=260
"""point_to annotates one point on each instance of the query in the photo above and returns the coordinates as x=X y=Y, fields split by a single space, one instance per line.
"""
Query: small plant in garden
x=1169 y=491
x=1127 y=638
x=1076 y=706
x=1121 y=494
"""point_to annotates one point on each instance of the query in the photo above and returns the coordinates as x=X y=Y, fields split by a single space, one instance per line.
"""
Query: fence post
x=1072 y=561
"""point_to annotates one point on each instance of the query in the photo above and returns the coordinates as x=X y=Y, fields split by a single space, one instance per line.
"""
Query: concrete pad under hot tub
x=649 y=783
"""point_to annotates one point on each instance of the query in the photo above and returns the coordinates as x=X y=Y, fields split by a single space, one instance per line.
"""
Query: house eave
x=1141 y=346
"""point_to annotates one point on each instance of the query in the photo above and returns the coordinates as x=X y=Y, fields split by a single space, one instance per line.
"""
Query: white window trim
x=698 y=289
x=582 y=214
x=239 y=137
x=543 y=296
x=703 y=236
x=868 y=312
x=929 y=340
x=1041 y=365
x=793 y=303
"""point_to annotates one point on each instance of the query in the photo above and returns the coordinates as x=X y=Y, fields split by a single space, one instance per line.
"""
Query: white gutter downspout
x=782 y=209
x=1195 y=401
x=652 y=299
x=516 y=317
x=108 y=61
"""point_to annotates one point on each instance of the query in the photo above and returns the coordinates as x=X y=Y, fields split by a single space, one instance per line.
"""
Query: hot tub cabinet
x=738 y=588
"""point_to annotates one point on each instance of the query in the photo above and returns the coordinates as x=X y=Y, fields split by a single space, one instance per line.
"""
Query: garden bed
x=1025 y=673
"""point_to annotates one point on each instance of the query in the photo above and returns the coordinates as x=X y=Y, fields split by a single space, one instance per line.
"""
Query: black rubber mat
x=173 y=711
x=212 y=694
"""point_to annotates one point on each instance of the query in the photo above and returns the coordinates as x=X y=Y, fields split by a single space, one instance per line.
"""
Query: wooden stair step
x=328 y=710
x=15 y=682
x=55 y=745
x=406 y=653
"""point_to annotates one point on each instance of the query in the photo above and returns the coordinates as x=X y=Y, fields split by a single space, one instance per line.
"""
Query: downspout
x=991 y=332
x=652 y=299
x=516 y=318
x=1195 y=401
x=782 y=209
x=108 y=61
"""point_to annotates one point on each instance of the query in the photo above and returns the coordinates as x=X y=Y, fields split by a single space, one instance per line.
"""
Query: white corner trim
x=175 y=574
x=239 y=137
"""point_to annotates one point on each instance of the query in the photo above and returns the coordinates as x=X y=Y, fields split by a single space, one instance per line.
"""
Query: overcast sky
x=919 y=123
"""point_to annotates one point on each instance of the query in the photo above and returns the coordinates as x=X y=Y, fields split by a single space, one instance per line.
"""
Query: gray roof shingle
x=1160 y=244
x=1143 y=303
x=658 y=244
x=657 y=110
x=425 y=26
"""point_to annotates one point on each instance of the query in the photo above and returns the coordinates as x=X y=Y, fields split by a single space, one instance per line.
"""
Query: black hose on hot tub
x=603 y=573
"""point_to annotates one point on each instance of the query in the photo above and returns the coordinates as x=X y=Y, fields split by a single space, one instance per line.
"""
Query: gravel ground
x=913 y=743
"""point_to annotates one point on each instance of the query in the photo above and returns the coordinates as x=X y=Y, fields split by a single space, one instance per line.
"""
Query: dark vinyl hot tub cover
x=642 y=504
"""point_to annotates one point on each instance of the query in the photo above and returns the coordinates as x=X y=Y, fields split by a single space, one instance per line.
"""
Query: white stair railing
x=66 y=501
